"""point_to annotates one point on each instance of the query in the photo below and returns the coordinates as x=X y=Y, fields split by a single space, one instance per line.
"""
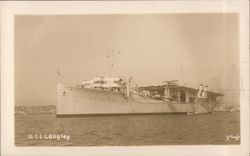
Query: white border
x=9 y=9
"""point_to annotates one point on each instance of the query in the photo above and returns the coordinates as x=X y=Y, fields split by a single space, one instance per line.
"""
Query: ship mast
x=182 y=82
x=110 y=57
x=128 y=86
x=181 y=73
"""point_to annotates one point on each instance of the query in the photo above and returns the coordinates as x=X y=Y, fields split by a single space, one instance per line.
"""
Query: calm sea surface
x=164 y=129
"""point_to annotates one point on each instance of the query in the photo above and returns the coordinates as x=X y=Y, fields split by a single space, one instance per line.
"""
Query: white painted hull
x=73 y=100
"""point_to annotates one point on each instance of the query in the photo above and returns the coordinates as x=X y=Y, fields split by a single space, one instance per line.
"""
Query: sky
x=192 y=48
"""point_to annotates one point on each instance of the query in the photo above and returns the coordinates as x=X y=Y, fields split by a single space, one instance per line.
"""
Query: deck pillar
x=178 y=96
x=187 y=97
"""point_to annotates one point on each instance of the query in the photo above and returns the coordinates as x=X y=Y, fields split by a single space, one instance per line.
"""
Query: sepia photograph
x=128 y=79
x=161 y=79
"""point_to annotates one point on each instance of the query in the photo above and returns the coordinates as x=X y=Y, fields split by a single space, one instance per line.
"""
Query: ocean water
x=218 y=128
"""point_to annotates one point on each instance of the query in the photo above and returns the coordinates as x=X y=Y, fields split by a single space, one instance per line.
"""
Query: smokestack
x=204 y=94
x=205 y=89
x=200 y=88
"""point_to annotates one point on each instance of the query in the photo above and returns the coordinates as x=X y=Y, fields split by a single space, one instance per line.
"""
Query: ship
x=115 y=96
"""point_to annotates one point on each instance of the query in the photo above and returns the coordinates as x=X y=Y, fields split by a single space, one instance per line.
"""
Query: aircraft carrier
x=114 y=96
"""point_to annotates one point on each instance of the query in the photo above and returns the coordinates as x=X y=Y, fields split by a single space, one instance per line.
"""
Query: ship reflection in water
x=129 y=130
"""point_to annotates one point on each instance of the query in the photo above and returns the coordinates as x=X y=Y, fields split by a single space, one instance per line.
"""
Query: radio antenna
x=110 y=56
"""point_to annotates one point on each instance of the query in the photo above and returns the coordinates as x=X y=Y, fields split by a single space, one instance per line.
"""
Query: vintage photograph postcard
x=126 y=78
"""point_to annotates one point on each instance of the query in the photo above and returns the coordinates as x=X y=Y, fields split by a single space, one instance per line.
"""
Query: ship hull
x=77 y=101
